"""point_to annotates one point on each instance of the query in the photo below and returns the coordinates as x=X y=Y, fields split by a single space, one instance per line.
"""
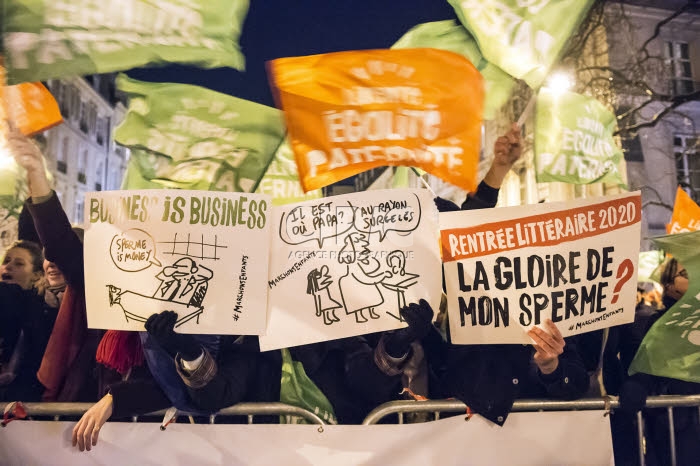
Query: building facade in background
x=80 y=153
x=666 y=155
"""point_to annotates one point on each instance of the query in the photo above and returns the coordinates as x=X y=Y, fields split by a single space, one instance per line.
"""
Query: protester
x=488 y=378
x=26 y=321
x=67 y=370
x=635 y=389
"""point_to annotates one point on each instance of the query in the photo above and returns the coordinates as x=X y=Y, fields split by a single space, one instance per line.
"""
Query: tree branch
x=674 y=103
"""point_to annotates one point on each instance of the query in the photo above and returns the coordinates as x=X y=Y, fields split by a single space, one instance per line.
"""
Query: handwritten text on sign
x=573 y=264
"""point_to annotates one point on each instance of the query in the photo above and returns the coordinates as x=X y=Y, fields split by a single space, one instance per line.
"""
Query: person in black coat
x=635 y=389
x=488 y=378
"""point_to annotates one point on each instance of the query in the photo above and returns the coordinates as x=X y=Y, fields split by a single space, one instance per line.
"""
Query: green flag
x=450 y=35
x=574 y=140
x=649 y=261
x=297 y=389
x=671 y=348
x=55 y=38
x=281 y=180
x=191 y=137
x=522 y=37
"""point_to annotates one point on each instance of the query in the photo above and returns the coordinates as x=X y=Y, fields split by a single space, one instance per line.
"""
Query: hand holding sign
x=549 y=346
x=162 y=328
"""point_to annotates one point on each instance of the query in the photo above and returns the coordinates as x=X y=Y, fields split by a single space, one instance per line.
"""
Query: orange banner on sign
x=348 y=112
x=31 y=107
x=686 y=214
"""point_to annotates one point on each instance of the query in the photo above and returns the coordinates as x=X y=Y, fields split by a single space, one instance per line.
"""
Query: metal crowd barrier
x=400 y=408
x=249 y=410
x=454 y=406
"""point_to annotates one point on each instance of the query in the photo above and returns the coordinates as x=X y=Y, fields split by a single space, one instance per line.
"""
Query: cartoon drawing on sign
x=184 y=282
x=358 y=287
x=400 y=280
x=183 y=285
x=349 y=278
x=318 y=283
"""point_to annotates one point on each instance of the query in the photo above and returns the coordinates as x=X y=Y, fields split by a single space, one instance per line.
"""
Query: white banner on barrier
x=562 y=438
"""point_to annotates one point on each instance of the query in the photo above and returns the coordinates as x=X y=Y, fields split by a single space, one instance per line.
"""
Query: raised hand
x=28 y=156
x=506 y=151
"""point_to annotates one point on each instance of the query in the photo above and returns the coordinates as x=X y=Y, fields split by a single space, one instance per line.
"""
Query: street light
x=560 y=82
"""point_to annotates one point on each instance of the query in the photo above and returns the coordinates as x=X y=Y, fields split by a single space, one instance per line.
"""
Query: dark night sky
x=276 y=28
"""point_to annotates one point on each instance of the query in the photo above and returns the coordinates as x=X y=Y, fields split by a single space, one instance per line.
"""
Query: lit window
x=679 y=68
x=687 y=155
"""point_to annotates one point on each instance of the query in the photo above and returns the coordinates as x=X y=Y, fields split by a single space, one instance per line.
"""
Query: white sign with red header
x=511 y=268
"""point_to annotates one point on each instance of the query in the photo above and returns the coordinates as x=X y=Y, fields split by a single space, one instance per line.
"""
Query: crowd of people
x=47 y=352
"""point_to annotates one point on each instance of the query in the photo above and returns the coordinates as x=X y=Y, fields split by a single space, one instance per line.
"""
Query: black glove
x=161 y=328
x=444 y=205
x=420 y=321
x=633 y=396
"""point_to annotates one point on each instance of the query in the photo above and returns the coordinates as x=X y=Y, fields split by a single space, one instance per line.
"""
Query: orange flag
x=348 y=112
x=686 y=214
x=31 y=107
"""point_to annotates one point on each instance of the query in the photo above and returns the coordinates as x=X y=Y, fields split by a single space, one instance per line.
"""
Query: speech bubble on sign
x=400 y=215
x=316 y=222
x=133 y=250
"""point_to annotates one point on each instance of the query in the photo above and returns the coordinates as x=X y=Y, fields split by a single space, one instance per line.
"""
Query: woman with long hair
x=26 y=321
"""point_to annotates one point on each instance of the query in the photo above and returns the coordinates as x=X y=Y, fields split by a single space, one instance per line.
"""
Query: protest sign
x=523 y=38
x=511 y=268
x=345 y=265
x=31 y=108
x=574 y=140
x=686 y=214
x=671 y=347
x=450 y=35
x=201 y=254
x=445 y=442
x=348 y=112
x=196 y=138
x=53 y=39
x=281 y=180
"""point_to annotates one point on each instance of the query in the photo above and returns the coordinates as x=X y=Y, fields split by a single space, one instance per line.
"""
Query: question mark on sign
x=624 y=273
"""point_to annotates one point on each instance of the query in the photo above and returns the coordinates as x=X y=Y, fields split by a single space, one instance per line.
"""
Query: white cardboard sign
x=201 y=254
x=345 y=265
x=510 y=268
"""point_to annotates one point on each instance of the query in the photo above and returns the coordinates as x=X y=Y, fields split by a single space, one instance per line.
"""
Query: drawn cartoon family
x=359 y=287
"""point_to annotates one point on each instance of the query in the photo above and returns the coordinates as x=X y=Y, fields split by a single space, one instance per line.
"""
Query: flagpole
x=425 y=183
x=526 y=111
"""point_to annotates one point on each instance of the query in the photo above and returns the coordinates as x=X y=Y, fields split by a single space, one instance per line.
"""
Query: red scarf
x=120 y=350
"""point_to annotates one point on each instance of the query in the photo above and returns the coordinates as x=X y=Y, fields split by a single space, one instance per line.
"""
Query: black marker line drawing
x=400 y=280
x=359 y=285
x=183 y=287
x=318 y=282
x=299 y=225
x=196 y=249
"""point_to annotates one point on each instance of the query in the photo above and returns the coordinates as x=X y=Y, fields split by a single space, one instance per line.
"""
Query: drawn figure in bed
x=358 y=287
x=318 y=285
x=183 y=287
